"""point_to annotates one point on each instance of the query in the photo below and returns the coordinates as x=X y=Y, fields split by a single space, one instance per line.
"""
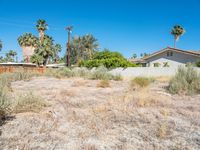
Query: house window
x=169 y=53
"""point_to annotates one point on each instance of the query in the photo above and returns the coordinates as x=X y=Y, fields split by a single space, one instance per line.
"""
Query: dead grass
x=163 y=79
x=88 y=117
x=162 y=130
x=29 y=103
x=103 y=84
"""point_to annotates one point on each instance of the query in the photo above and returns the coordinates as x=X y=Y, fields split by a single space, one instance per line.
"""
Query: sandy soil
x=82 y=116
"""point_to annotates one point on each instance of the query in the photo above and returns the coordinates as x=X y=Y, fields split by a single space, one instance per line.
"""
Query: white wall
x=146 y=71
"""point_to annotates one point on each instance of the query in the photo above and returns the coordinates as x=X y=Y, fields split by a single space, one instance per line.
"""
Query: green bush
x=4 y=103
x=141 y=82
x=186 y=81
x=107 y=59
x=198 y=63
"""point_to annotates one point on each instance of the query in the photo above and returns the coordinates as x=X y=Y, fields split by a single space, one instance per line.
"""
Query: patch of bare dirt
x=83 y=116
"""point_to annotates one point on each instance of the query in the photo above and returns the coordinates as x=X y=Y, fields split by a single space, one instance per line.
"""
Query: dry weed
x=103 y=84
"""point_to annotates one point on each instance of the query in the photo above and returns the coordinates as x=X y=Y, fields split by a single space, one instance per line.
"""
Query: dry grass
x=103 y=84
x=163 y=79
x=29 y=103
x=104 y=118
x=162 y=130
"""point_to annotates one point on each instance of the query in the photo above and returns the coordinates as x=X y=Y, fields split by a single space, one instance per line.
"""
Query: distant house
x=168 y=57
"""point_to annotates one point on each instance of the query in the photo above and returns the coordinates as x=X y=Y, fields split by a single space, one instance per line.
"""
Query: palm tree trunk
x=174 y=42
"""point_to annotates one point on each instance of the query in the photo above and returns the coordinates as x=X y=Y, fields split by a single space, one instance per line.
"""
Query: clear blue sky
x=127 y=26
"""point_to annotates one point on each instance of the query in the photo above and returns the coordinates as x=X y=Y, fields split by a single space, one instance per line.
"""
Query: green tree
x=177 y=31
x=41 y=27
x=134 y=56
x=56 y=49
x=27 y=40
x=83 y=48
x=12 y=54
x=47 y=49
x=108 y=59
x=37 y=59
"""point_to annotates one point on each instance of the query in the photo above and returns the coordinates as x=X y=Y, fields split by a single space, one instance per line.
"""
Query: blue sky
x=127 y=26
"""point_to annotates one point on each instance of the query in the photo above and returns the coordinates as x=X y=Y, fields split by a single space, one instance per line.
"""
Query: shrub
x=198 y=63
x=103 y=84
x=4 y=103
x=108 y=59
x=80 y=72
x=29 y=103
x=141 y=82
x=100 y=73
x=186 y=81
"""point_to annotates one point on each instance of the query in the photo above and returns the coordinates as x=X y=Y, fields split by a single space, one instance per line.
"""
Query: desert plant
x=29 y=103
x=103 y=84
x=141 y=82
x=4 y=103
x=186 y=81
x=198 y=63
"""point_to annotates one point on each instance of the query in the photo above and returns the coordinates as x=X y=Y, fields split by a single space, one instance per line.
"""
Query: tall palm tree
x=28 y=42
x=90 y=44
x=177 y=31
x=1 y=45
x=45 y=49
x=56 y=49
x=41 y=27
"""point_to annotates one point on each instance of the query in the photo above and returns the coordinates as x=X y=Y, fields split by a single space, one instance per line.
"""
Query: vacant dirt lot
x=82 y=115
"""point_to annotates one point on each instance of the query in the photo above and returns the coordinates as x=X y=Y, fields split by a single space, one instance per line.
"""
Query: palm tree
x=177 y=31
x=12 y=54
x=37 y=59
x=45 y=49
x=57 y=48
x=1 y=45
x=90 y=44
x=28 y=43
x=134 y=56
x=41 y=27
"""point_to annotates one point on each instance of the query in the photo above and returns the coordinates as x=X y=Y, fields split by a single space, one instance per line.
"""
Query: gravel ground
x=82 y=116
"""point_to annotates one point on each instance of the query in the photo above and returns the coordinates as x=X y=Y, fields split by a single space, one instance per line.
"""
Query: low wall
x=4 y=69
x=145 y=71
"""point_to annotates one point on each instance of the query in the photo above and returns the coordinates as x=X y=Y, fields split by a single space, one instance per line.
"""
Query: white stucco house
x=168 y=57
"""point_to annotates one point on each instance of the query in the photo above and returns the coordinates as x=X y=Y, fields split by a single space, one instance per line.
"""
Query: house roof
x=190 y=52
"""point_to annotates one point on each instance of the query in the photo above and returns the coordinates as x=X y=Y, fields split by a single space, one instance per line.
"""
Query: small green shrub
x=141 y=82
x=29 y=103
x=198 y=63
x=186 y=81
x=80 y=72
x=100 y=73
x=4 y=103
